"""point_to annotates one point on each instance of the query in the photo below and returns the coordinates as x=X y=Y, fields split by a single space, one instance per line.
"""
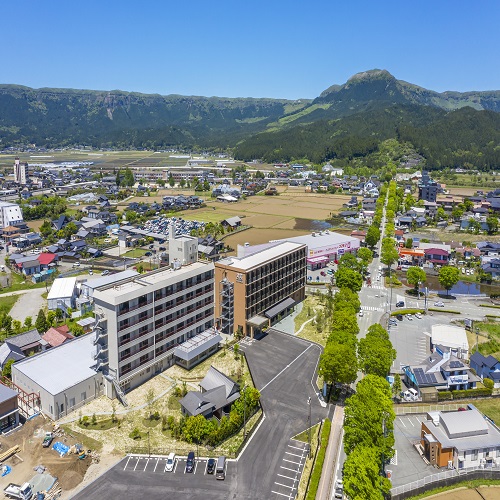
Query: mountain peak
x=372 y=74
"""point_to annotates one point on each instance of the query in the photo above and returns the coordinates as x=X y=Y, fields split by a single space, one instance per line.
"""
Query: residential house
x=437 y=256
x=56 y=336
x=492 y=267
x=216 y=396
x=232 y=222
x=486 y=367
x=28 y=343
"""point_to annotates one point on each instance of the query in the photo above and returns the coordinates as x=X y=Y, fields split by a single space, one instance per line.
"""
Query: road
x=284 y=370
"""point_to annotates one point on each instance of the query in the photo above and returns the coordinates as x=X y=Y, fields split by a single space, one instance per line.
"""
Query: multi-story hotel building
x=259 y=286
x=141 y=320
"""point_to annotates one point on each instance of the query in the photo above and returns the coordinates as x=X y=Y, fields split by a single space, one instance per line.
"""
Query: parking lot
x=283 y=368
x=407 y=465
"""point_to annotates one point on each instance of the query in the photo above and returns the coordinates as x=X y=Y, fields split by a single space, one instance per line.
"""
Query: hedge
x=320 y=458
x=488 y=305
x=443 y=310
x=468 y=393
x=407 y=311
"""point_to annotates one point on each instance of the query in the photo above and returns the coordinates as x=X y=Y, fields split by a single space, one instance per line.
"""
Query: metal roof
x=60 y=368
x=62 y=287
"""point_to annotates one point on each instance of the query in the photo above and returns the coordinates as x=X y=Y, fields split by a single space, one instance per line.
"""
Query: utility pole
x=309 y=426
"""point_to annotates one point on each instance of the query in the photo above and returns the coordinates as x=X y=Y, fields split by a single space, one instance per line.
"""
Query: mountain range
x=343 y=121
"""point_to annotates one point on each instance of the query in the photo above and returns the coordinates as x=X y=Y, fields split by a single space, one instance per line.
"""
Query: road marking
x=288 y=477
x=127 y=463
x=156 y=465
x=147 y=462
x=291 y=461
x=175 y=465
x=401 y=420
x=284 y=485
x=296 y=447
x=288 y=468
x=287 y=366
x=137 y=463
x=409 y=420
x=195 y=466
x=294 y=454
x=282 y=494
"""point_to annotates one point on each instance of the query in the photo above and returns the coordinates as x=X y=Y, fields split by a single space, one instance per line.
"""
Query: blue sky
x=274 y=48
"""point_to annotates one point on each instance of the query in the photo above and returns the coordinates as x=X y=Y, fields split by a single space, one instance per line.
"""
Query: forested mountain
x=345 y=121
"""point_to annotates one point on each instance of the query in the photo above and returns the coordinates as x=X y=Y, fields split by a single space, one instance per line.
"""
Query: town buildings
x=259 y=286
x=10 y=215
x=20 y=172
x=428 y=188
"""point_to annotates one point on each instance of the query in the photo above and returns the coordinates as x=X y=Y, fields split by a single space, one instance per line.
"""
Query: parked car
x=169 y=467
x=339 y=489
x=439 y=304
x=76 y=264
x=151 y=247
x=190 y=462
x=400 y=303
x=211 y=466
x=105 y=272
x=91 y=272
x=148 y=254
x=360 y=314
x=399 y=317
x=322 y=273
x=162 y=249
x=409 y=317
x=418 y=316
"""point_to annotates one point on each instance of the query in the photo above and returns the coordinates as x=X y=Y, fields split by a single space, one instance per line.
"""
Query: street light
x=309 y=426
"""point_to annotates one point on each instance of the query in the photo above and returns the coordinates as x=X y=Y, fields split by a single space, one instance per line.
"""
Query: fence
x=446 y=478
x=404 y=410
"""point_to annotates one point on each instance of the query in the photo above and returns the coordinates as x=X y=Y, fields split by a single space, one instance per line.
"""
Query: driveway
x=28 y=304
x=283 y=368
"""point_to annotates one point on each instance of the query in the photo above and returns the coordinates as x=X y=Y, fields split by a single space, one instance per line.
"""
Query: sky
x=275 y=48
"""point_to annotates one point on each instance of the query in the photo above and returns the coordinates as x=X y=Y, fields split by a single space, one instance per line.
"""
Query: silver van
x=220 y=468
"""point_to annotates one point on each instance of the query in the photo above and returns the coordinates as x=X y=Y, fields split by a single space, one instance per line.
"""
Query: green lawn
x=135 y=253
x=6 y=303
x=206 y=216
x=491 y=329
x=16 y=284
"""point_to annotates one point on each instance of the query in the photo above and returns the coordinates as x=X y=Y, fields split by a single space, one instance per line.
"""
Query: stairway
x=119 y=392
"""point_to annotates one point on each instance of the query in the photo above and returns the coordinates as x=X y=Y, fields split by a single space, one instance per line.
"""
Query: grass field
x=7 y=303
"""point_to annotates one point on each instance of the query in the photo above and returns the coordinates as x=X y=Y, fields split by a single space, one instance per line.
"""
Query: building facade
x=10 y=215
x=255 y=290
x=428 y=188
x=20 y=172
x=141 y=320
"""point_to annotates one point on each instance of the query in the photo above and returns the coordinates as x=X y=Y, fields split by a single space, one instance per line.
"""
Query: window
x=72 y=402
x=473 y=455
x=84 y=396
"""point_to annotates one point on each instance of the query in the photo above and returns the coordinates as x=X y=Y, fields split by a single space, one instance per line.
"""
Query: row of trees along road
x=369 y=418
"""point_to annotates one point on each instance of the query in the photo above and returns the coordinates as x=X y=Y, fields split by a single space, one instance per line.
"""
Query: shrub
x=135 y=434
x=318 y=464
x=444 y=395
x=85 y=421
x=488 y=383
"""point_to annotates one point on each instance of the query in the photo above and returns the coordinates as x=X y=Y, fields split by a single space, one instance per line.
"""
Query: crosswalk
x=374 y=286
x=372 y=308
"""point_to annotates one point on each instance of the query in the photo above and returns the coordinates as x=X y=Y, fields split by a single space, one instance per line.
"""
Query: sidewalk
x=326 y=483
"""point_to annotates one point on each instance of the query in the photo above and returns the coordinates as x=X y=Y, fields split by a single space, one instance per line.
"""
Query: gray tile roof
x=214 y=378
x=26 y=338
x=9 y=351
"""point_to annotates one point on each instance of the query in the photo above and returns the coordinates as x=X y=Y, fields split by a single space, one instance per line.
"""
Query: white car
x=169 y=467
x=409 y=317
x=418 y=316
x=360 y=314
x=439 y=304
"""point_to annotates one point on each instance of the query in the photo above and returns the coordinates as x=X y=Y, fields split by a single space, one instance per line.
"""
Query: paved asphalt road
x=283 y=368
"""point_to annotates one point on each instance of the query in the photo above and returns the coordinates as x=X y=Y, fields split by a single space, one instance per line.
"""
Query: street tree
x=348 y=261
x=345 y=321
x=415 y=275
x=375 y=352
x=396 y=385
x=338 y=364
x=492 y=223
x=171 y=181
x=372 y=236
x=448 y=277
x=368 y=413
x=365 y=254
x=389 y=253
x=345 y=298
x=361 y=475
x=348 y=278
x=150 y=399
x=28 y=322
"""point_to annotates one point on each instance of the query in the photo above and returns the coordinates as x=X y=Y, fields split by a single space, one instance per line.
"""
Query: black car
x=190 y=462
x=401 y=303
x=148 y=254
x=211 y=466
x=162 y=249
x=400 y=317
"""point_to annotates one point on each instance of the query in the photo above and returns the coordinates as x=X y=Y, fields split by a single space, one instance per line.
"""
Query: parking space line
x=291 y=461
x=288 y=477
x=296 y=447
x=287 y=468
x=147 y=462
x=175 y=465
x=195 y=466
x=282 y=494
x=401 y=420
x=156 y=465
x=409 y=420
x=137 y=463
x=294 y=454
x=127 y=462
x=284 y=485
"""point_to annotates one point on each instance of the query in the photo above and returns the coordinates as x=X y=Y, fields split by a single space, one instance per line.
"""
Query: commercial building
x=428 y=188
x=10 y=215
x=9 y=412
x=20 y=172
x=460 y=439
x=89 y=286
x=62 y=378
x=452 y=337
x=141 y=320
x=259 y=286
x=325 y=246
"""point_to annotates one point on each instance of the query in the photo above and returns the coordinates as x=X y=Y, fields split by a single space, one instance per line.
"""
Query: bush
x=488 y=383
x=444 y=395
x=407 y=311
x=85 y=420
x=465 y=394
x=318 y=464
x=135 y=434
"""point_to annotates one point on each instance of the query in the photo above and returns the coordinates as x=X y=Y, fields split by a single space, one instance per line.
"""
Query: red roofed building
x=55 y=337
x=47 y=258
x=437 y=256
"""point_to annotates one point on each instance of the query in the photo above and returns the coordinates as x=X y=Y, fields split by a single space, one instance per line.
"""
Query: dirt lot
x=485 y=493
x=69 y=470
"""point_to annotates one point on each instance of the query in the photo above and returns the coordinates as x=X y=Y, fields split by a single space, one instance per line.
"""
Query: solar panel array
x=456 y=364
x=424 y=378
